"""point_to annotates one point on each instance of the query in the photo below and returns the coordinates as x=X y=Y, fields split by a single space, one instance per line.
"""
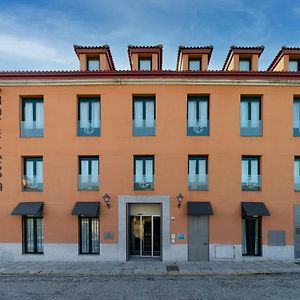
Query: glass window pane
x=29 y=235
x=244 y=65
x=293 y=65
x=93 y=64
x=95 y=236
x=145 y=64
x=84 y=235
x=40 y=235
x=194 y=65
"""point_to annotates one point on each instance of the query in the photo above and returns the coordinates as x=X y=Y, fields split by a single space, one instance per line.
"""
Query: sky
x=39 y=35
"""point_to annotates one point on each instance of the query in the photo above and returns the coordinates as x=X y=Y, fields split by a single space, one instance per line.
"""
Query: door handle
x=205 y=244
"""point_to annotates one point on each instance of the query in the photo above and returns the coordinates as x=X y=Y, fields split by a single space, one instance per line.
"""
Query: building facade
x=185 y=165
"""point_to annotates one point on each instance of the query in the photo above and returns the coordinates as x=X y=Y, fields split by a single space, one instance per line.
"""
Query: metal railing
x=88 y=128
x=32 y=183
x=88 y=182
x=296 y=128
x=251 y=183
x=143 y=127
x=31 y=129
x=251 y=128
x=200 y=128
x=198 y=182
x=142 y=182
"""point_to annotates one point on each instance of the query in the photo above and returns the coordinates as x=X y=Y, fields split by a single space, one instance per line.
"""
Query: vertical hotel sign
x=1 y=157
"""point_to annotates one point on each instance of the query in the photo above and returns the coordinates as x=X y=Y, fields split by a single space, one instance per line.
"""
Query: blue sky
x=39 y=35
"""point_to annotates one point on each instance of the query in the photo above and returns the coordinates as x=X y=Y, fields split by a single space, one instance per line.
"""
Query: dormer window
x=145 y=63
x=245 y=64
x=294 y=65
x=194 y=64
x=93 y=63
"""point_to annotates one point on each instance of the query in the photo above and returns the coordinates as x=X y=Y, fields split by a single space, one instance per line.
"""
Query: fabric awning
x=254 y=209
x=199 y=209
x=34 y=209
x=86 y=209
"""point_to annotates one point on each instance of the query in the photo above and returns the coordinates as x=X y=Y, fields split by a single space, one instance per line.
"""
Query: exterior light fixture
x=179 y=199
x=106 y=199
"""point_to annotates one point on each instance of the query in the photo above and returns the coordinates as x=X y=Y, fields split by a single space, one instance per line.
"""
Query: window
x=93 y=63
x=197 y=173
x=88 y=116
x=251 y=179
x=143 y=173
x=297 y=173
x=33 y=174
x=33 y=235
x=32 y=124
x=198 y=115
x=245 y=64
x=143 y=116
x=250 y=116
x=88 y=178
x=145 y=63
x=251 y=236
x=194 y=64
x=294 y=65
x=296 y=116
x=89 y=242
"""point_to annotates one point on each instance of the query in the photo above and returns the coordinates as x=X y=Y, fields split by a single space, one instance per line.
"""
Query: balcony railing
x=88 y=128
x=88 y=182
x=200 y=128
x=143 y=183
x=198 y=182
x=297 y=183
x=251 y=128
x=32 y=129
x=32 y=183
x=251 y=183
x=143 y=127
x=296 y=128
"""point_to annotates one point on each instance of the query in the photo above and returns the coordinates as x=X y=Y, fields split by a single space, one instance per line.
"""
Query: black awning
x=86 y=209
x=34 y=209
x=199 y=209
x=254 y=209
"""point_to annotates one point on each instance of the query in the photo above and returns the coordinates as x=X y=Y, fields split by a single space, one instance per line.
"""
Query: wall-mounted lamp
x=179 y=199
x=106 y=199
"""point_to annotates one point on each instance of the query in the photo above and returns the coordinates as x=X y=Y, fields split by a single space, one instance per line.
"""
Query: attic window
x=93 y=64
x=245 y=64
x=194 y=64
x=145 y=63
x=294 y=65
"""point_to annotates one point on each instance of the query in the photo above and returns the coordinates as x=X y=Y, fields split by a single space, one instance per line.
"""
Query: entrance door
x=198 y=238
x=297 y=230
x=145 y=236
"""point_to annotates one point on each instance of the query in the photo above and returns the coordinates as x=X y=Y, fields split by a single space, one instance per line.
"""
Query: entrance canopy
x=199 y=208
x=254 y=209
x=86 y=209
x=34 y=209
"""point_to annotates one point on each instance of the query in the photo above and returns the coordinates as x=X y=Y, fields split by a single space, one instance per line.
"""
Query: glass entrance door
x=145 y=235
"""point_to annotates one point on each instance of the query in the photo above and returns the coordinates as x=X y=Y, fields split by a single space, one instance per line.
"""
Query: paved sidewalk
x=147 y=268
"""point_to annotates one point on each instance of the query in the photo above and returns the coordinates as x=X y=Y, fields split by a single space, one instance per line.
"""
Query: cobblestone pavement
x=55 y=287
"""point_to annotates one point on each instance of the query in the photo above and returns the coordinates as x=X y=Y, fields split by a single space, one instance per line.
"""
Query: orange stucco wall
x=60 y=148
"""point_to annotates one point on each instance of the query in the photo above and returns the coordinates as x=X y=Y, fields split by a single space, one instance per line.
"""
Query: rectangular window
x=245 y=64
x=143 y=172
x=294 y=65
x=198 y=115
x=145 y=63
x=33 y=235
x=33 y=174
x=93 y=63
x=32 y=124
x=88 y=178
x=251 y=236
x=194 y=64
x=251 y=179
x=197 y=173
x=296 y=116
x=251 y=124
x=143 y=116
x=297 y=174
x=89 y=242
x=88 y=116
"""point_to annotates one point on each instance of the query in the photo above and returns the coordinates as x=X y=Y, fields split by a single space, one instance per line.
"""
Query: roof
x=282 y=51
x=197 y=50
x=242 y=50
x=96 y=49
x=147 y=49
